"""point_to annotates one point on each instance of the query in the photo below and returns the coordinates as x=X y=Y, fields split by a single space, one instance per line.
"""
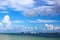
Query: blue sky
x=29 y=16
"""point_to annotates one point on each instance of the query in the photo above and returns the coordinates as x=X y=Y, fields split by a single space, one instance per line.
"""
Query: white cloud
x=41 y=21
x=36 y=28
x=17 y=4
x=57 y=28
x=21 y=4
x=45 y=10
x=34 y=21
x=6 y=21
x=42 y=10
x=3 y=3
x=28 y=7
x=52 y=27
x=1 y=25
x=50 y=2
x=57 y=6
x=30 y=12
x=25 y=28
x=49 y=27
x=17 y=21
x=57 y=2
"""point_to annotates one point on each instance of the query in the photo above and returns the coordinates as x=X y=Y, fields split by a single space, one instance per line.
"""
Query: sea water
x=21 y=37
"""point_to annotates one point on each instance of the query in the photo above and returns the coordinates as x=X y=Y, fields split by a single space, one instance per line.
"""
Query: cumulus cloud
x=49 y=27
x=6 y=21
x=1 y=25
x=52 y=27
x=5 y=24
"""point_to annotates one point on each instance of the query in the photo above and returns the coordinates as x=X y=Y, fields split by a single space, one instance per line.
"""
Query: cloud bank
x=17 y=4
x=29 y=9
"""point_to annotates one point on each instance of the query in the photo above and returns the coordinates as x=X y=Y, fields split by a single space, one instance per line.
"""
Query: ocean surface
x=25 y=37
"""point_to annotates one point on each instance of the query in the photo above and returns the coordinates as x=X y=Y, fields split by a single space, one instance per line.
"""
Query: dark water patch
x=50 y=35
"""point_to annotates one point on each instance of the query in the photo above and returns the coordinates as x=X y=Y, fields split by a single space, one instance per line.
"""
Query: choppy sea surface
x=26 y=37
